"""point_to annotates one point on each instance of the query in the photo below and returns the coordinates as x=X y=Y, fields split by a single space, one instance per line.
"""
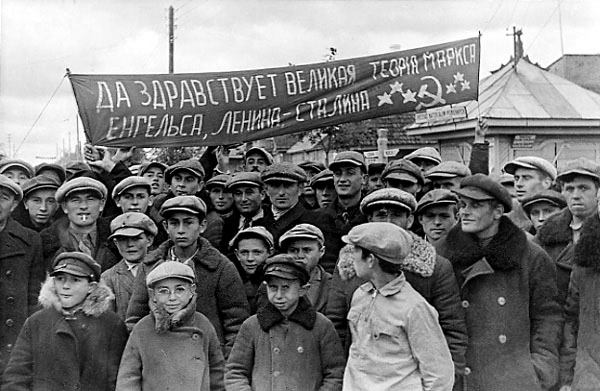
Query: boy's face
x=325 y=194
x=184 y=229
x=221 y=199
x=184 y=183
x=83 y=208
x=41 y=205
x=540 y=211
x=133 y=248
x=284 y=294
x=17 y=175
x=173 y=294
x=157 y=178
x=135 y=199
x=252 y=253
x=72 y=290
x=438 y=220
x=309 y=251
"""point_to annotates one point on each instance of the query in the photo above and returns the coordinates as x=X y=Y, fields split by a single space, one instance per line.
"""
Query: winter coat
x=21 y=274
x=300 y=353
x=178 y=352
x=518 y=216
x=56 y=352
x=120 y=281
x=218 y=285
x=580 y=354
x=513 y=317
x=297 y=215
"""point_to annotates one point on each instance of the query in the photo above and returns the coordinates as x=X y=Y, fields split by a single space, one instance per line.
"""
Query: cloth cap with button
x=301 y=231
x=148 y=165
x=481 y=187
x=316 y=167
x=39 y=182
x=170 y=269
x=6 y=165
x=76 y=264
x=261 y=151
x=375 y=168
x=283 y=172
x=131 y=182
x=403 y=170
x=550 y=196
x=187 y=204
x=287 y=267
x=80 y=184
x=426 y=153
x=191 y=166
x=57 y=168
x=436 y=197
x=385 y=240
x=322 y=178
x=132 y=224
x=253 y=232
x=506 y=179
x=388 y=196
x=579 y=167
x=349 y=158
x=448 y=169
x=245 y=178
x=532 y=163
x=11 y=186
x=217 y=181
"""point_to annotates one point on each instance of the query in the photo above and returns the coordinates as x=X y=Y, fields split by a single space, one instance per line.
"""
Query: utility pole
x=171 y=38
x=517 y=45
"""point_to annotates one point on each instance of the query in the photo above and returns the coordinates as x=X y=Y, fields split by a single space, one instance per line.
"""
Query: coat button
x=195 y=336
x=10 y=322
x=300 y=349
x=276 y=374
x=502 y=338
x=501 y=300
x=8 y=273
x=276 y=350
x=465 y=304
x=10 y=300
x=467 y=371
x=9 y=347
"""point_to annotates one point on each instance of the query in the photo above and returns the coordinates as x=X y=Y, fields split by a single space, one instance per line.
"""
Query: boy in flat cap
x=39 y=206
x=308 y=197
x=437 y=211
x=540 y=206
x=404 y=175
x=397 y=342
x=219 y=285
x=447 y=175
x=374 y=181
x=155 y=173
x=425 y=158
x=509 y=292
x=322 y=183
x=17 y=170
x=287 y=345
x=174 y=347
x=51 y=170
x=75 y=342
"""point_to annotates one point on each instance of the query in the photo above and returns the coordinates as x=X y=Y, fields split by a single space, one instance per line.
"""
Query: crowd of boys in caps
x=419 y=274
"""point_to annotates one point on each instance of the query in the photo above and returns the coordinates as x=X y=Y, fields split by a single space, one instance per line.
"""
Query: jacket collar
x=389 y=289
x=96 y=303
x=164 y=321
x=421 y=258
x=587 y=248
x=304 y=314
x=556 y=229
x=206 y=255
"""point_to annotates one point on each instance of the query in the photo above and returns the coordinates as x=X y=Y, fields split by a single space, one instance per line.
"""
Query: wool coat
x=513 y=317
x=300 y=353
x=56 y=352
x=120 y=280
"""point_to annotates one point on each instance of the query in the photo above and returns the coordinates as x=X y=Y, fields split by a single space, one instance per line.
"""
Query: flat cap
x=187 y=204
x=481 y=187
x=426 y=153
x=57 y=168
x=302 y=231
x=403 y=170
x=322 y=178
x=148 y=165
x=39 y=182
x=532 y=163
x=170 y=269
x=16 y=163
x=245 y=178
x=389 y=196
x=217 y=181
x=580 y=167
x=191 y=166
x=131 y=182
x=132 y=224
x=550 y=196
x=11 y=186
x=386 y=240
x=312 y=165
x=506 y=179
x=77 y=264
x=375 y=168
x=436 y=197
x=352 y=158
x=253 y=232
x=261 y=151
x=448 y=169
x=80 y=184
x=283 y=172
x=287 y=267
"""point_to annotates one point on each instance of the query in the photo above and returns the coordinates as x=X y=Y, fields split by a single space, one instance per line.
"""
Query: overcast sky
x=40 y=39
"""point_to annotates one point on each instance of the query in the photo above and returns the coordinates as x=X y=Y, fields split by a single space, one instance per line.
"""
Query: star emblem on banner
x=450 y=88
x=385 y=99
x=459 y=77
x=465 y=85
x=409 y=96
x=396 y=87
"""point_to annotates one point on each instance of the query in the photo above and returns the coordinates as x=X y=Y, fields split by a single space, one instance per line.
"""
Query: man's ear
x=498 y=211
x=263 y=194
x=203 y=225
x=150 y=240
x=102 y=203
x=411 y=220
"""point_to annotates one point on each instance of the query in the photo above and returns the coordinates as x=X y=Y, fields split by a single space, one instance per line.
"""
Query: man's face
x=221 y=199
x=581 y=196
x=133 y=248
x=375 y=182
x=283 y=195
x=252 y=252
x=348 y=180
x=184 y=229
x=478 y=217
x=18 y=175
x=185 y=183
x=134 y=199
x=391 y=214
x=309 y=251
x=8 y=203
x=437 y=220
x=284 y=294
x=248 y=199
x=157 y=178
x=83 y=208
x=325 y=194
x=540 y=211
x=424 y=164
x=529 y=182
x=41 y=205
x=447 y=183
x=408 y=186
x=256 y=162
x=173 y=294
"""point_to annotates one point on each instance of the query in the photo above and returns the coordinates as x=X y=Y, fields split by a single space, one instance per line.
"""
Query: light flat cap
x=532 y=163
x=80 y=184
x=386 y=240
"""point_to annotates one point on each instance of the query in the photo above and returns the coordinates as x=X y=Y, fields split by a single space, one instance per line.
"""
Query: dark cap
x=186 y=203
x=217 y=181
x=16 y=163
x=170 y=269
x=11 y=186
x=349 y=158
x=386 y=240
x=550 y=196
x=39 y=182
x=436 y=197
x=531 y=163
x=403 y=170
x=389 y=196
x=302 y=231
x=80 y=184
x=148 y=165
x=579 y=167
x=283 y=172
x=76 y=264
x=57 y=168
x=312 y=165
x=481 y=187
x=322 y=178
x=448 y=169
x=261 y=151
x=130 y=182
x=191 y=166
x=375 y=168
x=253 y=232
x=287 y=267
x=426 y=153
x=132 y=224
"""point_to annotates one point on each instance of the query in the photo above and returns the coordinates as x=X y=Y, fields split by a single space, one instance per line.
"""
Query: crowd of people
x=418 y=274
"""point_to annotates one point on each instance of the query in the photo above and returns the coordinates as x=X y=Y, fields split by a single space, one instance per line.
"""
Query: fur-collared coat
x=513 y=317
x=57 y=352
x=300 y=353
x=580 y=354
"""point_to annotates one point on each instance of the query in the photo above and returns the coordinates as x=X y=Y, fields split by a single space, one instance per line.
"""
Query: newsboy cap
x=389 y=196
x=426 y=153
x=131 y=182
x=436 y=197
x=170 y=269
x=7 y=164
x=302 y=231
x=11 y=186
x=132 y=224
x=80 y=184
x=448 y=169
x=375 y=168
x=148 y=165
x=550 y=196
x=245 y=178
x=57 y=168
x=312 y=165
x=283 y=172
x=77 y=264
x=261 y=151
x=217 y=181
x=287 y=267
x=386 y=240
x=403 y=170
x=186 y=203
x=191 y=166
x=351 y=158
x=253 y=232
x=579 y=167
x=39 y=182
x=481 y=187
x=321 y=179
x=532 y=163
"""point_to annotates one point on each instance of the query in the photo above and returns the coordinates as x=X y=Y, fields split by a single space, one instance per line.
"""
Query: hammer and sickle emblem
x=435 y=98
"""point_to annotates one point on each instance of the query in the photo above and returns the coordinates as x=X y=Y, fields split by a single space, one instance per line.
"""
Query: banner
x=233 y=107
